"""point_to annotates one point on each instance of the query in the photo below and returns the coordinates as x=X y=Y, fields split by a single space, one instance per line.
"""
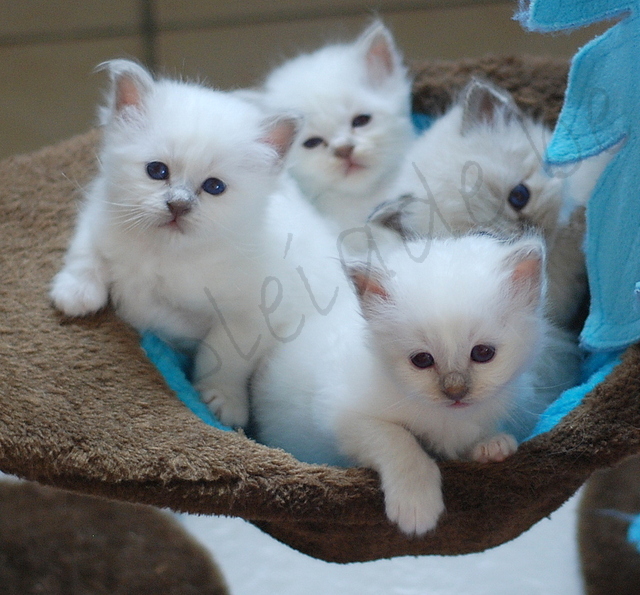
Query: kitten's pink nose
x=179 y=207
x=343 y=151
x=455 y=386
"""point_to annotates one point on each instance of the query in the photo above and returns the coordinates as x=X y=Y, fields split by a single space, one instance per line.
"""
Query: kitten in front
x=427 y=360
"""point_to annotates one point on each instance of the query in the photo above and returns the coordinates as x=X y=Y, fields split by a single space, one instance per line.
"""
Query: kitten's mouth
x=458 y=405
x=174 y=224
x=351 y=167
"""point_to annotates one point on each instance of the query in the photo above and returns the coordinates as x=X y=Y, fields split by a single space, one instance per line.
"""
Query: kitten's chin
x=353 y=178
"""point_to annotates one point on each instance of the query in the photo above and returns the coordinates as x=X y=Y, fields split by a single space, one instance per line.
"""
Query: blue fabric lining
x=421 y=122
x=174 y=367
x=597 y=367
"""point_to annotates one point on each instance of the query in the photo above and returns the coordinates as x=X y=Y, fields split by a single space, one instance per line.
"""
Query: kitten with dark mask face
x=435 y=352
x=193 y=232
x=355 y=99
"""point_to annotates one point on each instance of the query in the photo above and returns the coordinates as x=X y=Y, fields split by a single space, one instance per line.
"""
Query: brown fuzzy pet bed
x=82 y=408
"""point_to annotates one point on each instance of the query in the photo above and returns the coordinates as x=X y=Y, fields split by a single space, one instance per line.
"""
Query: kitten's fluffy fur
x=203 y=247
x=350 y=393
x=355 y=98
x=468 y=171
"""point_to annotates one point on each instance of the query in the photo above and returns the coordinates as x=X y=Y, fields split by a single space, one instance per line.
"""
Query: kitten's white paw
x=416 y=506
x=78 y=294
x=495 y=449
x=230 y=410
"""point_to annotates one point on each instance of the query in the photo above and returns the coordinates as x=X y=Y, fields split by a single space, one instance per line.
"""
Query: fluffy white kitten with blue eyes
x=355 y=99
x=435 y=355
x=481 y=166
x=192 y=231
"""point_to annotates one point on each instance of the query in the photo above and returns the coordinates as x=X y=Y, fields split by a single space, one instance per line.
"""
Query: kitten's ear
x=484 y=103
x=392 y=214
x=369 y=286
x=130 y=85
x=280 y=132
x=382 y=58
x=526 y=262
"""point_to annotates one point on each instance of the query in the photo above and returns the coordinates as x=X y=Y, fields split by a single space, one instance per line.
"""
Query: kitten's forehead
x=332 y=75
x=188 y=108
x=199 y=126
x=514 y=147
x=448 y=276
x=335 y=109
x=470 y=175
x=338 y=62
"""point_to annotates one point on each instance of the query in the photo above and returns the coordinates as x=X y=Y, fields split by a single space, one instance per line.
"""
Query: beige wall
x=49 y=49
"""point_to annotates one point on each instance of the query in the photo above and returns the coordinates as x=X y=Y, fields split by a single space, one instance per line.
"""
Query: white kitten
x=441 y=347
x=481 y=166
x=192 y=232
x=355 y=99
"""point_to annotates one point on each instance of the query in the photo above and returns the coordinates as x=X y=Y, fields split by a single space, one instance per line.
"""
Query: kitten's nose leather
x=455 y=386
x=343 y=151
x=179 y=207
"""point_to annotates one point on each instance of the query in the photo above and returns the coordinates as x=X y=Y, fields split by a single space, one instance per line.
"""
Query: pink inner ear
x=526 y=280
x=527 y=270
x=127 y=93
x=379 y=59
x=366 y=283
x=281 y=135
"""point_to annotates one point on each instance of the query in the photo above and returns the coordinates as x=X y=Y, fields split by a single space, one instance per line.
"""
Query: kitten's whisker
x=75 y=183
x=408 y=397
x=140 y=221
x=561 y=386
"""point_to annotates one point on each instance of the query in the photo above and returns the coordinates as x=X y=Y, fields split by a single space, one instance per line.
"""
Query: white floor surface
x=542 y=561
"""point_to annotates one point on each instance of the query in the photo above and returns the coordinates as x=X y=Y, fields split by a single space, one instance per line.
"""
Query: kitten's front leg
x=410 y=479
x=225 y=361
x=81 y=287
x=494 y=449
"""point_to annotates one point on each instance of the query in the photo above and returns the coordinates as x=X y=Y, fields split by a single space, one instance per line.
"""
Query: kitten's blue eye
x=214 y=186
x=313 y=142
x=519 y=197
x=483 y=353
x=361 y=120
x=422 y=360
x=157 y=170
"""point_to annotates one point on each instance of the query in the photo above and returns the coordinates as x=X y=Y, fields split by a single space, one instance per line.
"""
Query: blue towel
x=421 y=122
x=601 y=109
